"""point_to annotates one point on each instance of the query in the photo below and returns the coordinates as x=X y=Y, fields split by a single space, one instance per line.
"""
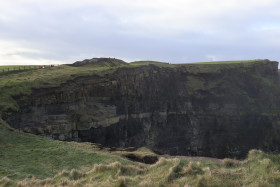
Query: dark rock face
x=185 y=110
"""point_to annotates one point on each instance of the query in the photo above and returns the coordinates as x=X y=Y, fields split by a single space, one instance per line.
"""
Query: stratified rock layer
x=207 y=110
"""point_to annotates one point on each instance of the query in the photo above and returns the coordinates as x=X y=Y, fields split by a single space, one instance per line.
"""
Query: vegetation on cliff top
x=15 y=83
x=22 y=82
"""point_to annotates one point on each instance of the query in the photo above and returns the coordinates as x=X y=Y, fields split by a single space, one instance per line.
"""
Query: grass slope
x=24 y=154
x=21 y=82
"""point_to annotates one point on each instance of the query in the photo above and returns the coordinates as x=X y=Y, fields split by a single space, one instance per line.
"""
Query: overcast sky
x=177 y=31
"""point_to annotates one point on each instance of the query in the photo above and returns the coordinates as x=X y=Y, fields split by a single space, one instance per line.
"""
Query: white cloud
x=64 y=30
x=14 y=53
x=12 y=48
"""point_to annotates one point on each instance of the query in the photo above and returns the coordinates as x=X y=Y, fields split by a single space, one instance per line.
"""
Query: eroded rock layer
x=206 y=110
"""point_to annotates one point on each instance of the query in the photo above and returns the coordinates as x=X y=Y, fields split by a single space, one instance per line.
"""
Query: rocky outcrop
x=110 y=61
x=208 y=110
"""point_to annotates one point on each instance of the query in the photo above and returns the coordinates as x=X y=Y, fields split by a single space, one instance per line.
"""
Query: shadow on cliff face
x=145 y=159
x=143 y=155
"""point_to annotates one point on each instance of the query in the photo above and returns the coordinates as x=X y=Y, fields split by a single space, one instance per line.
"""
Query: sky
x=177 y=31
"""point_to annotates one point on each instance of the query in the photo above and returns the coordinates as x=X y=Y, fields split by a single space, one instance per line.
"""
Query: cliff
x=217 y=110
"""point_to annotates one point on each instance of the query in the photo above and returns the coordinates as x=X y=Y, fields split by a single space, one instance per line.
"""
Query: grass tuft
x=194 y=168
x=75 y=174
x=227 y=162
x=254 y=154
x=5 y=181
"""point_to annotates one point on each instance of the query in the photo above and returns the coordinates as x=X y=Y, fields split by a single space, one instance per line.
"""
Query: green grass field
x=227 y=62
x=16 y=67
x=24 y=154
x=196 y=63
x=9 y=69
x=142 y=63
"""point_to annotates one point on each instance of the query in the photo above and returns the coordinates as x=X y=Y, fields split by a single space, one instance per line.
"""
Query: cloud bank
x=64 y=31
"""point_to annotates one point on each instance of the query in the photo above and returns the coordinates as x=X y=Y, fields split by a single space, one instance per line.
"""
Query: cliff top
x=247 y=62
x=21 y=82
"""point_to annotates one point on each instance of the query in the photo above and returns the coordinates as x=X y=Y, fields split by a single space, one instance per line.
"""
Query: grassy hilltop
x=29 y=160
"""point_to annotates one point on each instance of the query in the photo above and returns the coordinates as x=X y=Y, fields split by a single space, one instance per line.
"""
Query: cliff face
x=207 y=110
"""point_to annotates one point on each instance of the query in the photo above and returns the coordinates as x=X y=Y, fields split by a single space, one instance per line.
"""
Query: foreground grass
x=23 y=155
x=258 y=169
